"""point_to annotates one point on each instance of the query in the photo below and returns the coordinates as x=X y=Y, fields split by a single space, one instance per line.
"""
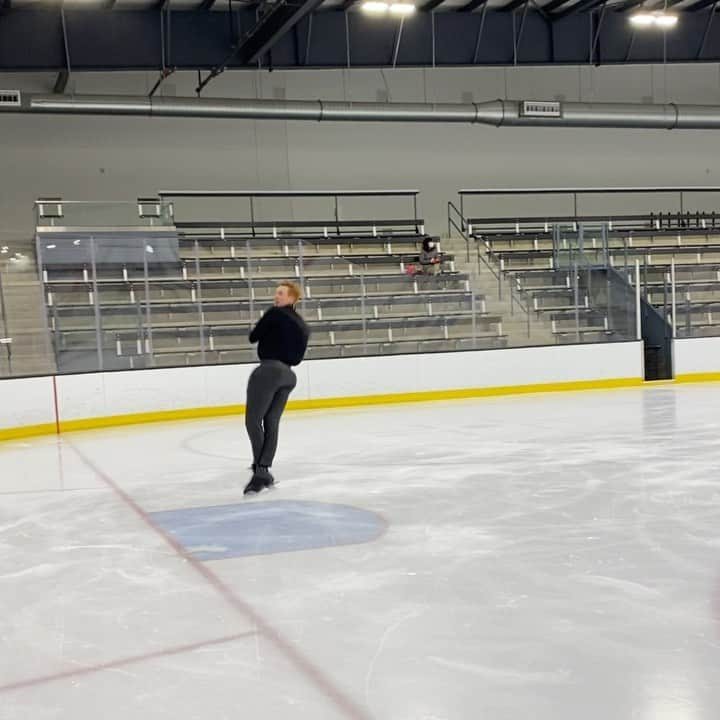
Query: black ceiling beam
x=279 y=20
x=513 y=5
x=431 y=5
x=627 y=5
x=700 y=5
x=206 y=5
x=582 y=6
x=347 y=4
x=664 y=4
x=554 y=5
x=472 y=5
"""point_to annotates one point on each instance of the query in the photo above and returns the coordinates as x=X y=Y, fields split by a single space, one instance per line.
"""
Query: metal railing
x=253 y=223
x=5 y=339
x=575 y=195
x=459 y=223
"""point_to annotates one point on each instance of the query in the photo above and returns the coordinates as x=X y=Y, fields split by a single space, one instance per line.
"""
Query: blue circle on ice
x=244 y=529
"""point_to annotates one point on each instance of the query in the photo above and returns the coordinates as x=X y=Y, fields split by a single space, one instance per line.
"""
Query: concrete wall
x=111 y=158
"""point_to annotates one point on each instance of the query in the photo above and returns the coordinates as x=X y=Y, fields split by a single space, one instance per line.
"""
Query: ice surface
x=548 y=557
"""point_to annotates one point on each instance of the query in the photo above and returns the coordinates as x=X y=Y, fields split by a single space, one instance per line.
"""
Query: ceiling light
x=666 y=20
x=642 y=20
x=659 y=19
x=402 y=8
x=374 y=7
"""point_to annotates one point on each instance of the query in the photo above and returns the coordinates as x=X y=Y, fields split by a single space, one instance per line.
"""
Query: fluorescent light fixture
x=643 y=19
x=402 y=8
x=374 y=7
x=666 y=20
x=659 y=19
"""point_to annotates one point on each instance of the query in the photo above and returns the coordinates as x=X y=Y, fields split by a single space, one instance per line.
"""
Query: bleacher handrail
x=287 y=193
x=5 y=339
x=463 y=229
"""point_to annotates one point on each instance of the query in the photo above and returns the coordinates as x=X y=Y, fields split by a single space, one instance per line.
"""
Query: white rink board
x=98 y=395
x=480 y=369
x=26 y=401
x=696 y=355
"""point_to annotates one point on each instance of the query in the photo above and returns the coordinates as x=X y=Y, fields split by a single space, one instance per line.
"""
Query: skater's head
x=428 y=245
x=287 y=294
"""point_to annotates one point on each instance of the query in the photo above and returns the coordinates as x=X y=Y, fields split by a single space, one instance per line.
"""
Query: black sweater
x=282 y=335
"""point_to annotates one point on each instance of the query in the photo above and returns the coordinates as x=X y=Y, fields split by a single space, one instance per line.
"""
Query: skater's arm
x=262 y=326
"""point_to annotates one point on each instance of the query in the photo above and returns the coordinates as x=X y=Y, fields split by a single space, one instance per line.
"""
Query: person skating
x=282 y=338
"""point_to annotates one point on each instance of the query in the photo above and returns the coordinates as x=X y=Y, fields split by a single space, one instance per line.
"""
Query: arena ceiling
x=214 y=35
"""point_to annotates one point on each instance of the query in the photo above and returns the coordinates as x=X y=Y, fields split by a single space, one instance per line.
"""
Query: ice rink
x=543 y=557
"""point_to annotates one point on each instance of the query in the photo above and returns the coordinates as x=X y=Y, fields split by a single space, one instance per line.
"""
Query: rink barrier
x=96 y=423
x=68 y=403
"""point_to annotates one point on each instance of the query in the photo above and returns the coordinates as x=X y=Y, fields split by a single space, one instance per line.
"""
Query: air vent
x=533 y=108
x=9 y=98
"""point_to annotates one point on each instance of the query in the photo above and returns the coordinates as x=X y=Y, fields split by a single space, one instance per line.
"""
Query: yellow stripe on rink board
x=26 y=431
x=698 y=377
x=150 y=417
x=463 y=394
x=320 y=403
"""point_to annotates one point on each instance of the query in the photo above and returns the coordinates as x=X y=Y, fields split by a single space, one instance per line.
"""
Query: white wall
x=111 y=158
x=696 y=356
x=99 y=395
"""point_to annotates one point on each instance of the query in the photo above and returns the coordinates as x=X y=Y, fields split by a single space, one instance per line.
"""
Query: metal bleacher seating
x=197 y=304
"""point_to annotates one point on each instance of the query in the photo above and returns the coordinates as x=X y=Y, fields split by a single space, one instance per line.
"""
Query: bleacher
x=539 y=265
x=208 y=282
x=535 y=244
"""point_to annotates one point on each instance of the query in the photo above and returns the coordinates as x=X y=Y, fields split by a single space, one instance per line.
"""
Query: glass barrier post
x=673 y=299
x=96 y=304
x=199 y=300
x=251 y=290
x=5 y=338
x=473 y=310
x=625 y=252
x=576 y=300
x=605 y=245
x=363 y=309
x=527 y=308
x=301 y=274
x=148 y=340
x=638 y=317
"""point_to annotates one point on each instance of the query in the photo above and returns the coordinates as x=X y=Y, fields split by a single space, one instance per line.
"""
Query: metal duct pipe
x=498 y=112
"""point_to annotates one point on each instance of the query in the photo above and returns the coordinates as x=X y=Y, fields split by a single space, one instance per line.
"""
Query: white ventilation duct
x=498 y=112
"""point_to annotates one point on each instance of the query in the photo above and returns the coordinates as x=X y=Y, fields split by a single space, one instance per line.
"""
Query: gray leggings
x=268 y=390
